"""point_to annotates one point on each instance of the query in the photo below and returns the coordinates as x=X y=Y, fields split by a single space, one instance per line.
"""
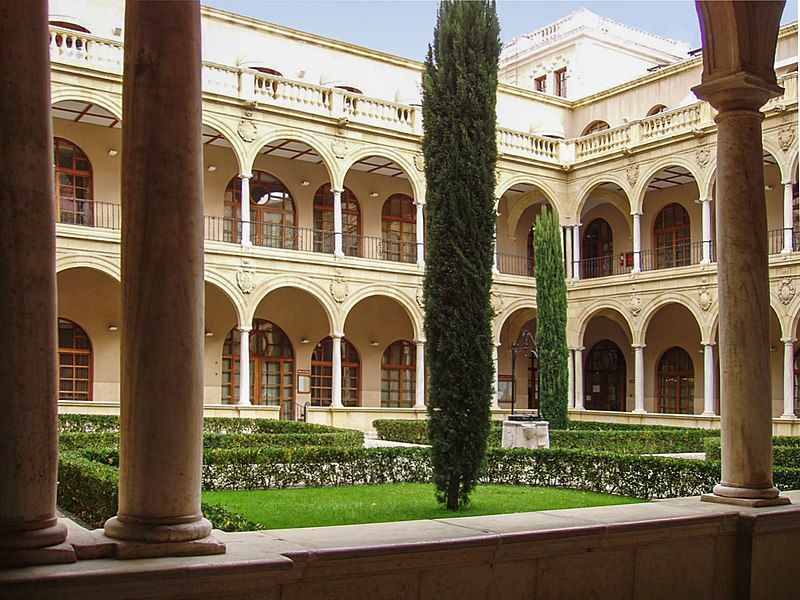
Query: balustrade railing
x=528 y=144
x=512 y=264
x=671 y=122
x=608 y=140
x=384 y=249
x=274 y=89
x=667 y=257
x=89 y=213
x=85 y=50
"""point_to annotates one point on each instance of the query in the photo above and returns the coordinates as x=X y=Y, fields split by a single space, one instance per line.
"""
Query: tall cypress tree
x=551 y=320
x=460 y=89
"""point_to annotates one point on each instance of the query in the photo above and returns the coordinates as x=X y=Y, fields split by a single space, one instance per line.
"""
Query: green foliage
x=459 y=110
x=601 y=426
x=551 y=320
x=785 y=451
x=88 y=423
x=410 y=431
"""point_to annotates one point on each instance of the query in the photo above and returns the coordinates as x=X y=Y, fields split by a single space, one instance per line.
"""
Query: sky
x=405 y=27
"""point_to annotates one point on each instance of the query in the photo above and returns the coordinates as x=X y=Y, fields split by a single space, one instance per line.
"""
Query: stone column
x=578 y=370
x=337 y=223
x=245 y=210
x=571 y=379
x=336 y=371
x=420 y=235
x=161 y=407
x=28 y=375
x=576 y=251
x=567 y=247
x=496 y=384
x=743 y=276
x=706 y=205
x=244 y=366
x=638 y=378
x=708 y=378
x=419 y=388
x=637 y=243
x=788 y=217
x=788 y=378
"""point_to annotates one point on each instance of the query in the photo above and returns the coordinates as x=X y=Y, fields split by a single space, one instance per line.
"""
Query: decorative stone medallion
x=702 y=155
x=339 y=289
x=704 y=299
x=497 y=303
x=786 y=137
x=632 y=172
x=786 y=290
x=339 y=147
x=420 y=297
x=419 y=162
x=246 y=280
x=247 y=130
x=635 y=304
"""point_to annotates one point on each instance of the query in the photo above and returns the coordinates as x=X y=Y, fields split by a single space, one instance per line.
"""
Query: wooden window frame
x=262 y=232
x=74 y=351
x=561 y=82
x=590 y=376
x=595 y=127
x=72 y=210
x=323 y=228
x=683 y=406
x=403 y=249
x=540 y=84
x=678 y=252
x=602 y=247
x=322 y=358
x=403 y=374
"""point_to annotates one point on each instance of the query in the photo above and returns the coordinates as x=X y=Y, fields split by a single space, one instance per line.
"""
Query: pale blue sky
x=405 y=27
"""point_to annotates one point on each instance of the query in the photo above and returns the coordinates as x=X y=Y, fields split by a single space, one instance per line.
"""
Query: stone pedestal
x=526 y=434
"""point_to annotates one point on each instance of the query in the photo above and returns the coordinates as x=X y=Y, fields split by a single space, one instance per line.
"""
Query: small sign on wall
x=303 y=381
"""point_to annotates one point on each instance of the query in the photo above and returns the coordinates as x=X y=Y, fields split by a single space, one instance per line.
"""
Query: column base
x=791 y=416
x=749 y=502
x=58 y=554
x=639 y=411
x=708 y=414
x=134 y=540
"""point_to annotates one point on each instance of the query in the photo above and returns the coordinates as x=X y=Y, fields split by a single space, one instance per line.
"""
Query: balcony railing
x=668 y=257
x=777 y=239
x=223 y=229
x=602 y=266
x=89 y=213
x=512 y=264
x=393 y=250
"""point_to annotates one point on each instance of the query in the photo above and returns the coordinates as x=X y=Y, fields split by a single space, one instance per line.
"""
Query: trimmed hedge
x=410 y=431
x=89 y=490
x=785 y=451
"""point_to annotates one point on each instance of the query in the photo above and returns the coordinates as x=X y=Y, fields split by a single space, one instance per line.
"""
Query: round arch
x=111 y=104
x=772 y=148
x=501 y=318
x=104 y=265
x=328 y=159
x=523 y=179
x=681 y=300
x=231 y=291
x=238 y=147
x=301 y=284
x=410 y=307
x=591 y=188
x=640 y=190
x=603 y=308
x=417 y=184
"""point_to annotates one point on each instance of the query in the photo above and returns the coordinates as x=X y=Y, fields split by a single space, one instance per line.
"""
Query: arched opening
x=605 y=375
x=399 y=229
x=398 y=375
x=272 y=211
x=74 y=362
x=595 y=127
x=323 y=221
x=272 y=369
x=322 y=374
x=517 y=366
x=675 y=382
x=597 y=250
x=518 y=209
x=672 y=237
x=73 y=183
x=656 y=110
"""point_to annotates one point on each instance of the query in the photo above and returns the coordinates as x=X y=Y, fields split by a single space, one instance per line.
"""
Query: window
x=398 y=375
x=272 y=212
x=604 y=377
x=322 y=374
x=323 y=221
x=70 y=26
x=657 y=109
x=597 y=251
x=672 y=237
x=268 y=71
x=540 y=84
x=73 y=183
x=271 y=367
x=399 y=229
x=675 y=382
x=74 y=362
x=594 y=127
x=561 y=82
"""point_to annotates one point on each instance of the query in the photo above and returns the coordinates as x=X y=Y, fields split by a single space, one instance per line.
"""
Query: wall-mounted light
x=768 y=188
x=373 y=195
x=209 y=334
x=305 y=183
x=112 y=152
x=304 y=341
x=373 y=342
x=117 y=31
x=112 y=327
x=211 y=168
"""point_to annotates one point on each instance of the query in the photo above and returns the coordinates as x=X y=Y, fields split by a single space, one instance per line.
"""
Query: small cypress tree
x=551 y=320
x=460 y=88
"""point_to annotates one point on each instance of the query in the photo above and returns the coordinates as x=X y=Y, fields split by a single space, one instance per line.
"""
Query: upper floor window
x=594 y=127
x=672 y=237
x=349 y=88
x=540 y=84
x=597 y=250
x=68 y=25
x=73 y=183
x=268 y=71
x=561 y=82
x=657 y=109
x=272 y=211
x=323 y=221
x=399 y=228
x=74 y=362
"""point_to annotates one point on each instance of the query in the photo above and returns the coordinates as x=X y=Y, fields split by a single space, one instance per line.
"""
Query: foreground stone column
x=788 y=217
x=336 y=370
x=638 y=378
x=244 y=366
x=29 y=530
x=637 y=243
x=579 y=378
x=337 y=223
x=161 y=412
x=706 y=204
x=419 y=388
x=788 y=378
x=743 y=274
x=708 y=378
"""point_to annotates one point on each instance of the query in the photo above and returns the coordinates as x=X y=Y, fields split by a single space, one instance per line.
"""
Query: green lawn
x=315 y=507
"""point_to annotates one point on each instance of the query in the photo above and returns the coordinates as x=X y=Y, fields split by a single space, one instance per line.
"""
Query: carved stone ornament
x=419 y=162
x=632 y=173
x=497 y=303
x=786 y=137
x=247 y=130
x=635 y=304
x=420 y=297
x=339 y=289
x=786 y=290
x=703 y=155
x=246 y=280
x=339 y=147
x=704 y=299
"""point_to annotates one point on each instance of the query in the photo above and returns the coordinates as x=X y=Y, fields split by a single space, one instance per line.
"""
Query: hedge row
x=89 y=490
x=785 y=451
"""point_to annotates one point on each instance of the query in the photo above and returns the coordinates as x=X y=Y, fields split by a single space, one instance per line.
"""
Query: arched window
x=672 y=237
x=267 y=71
x=399 y=229
x=73 y=183
x=604 y=377
x=323 y=221
x=74 y=362
x=322 y=374
x=272 y=211
x=675 y=382
x=594 y=127
x=271 y=367
x=597 y=251
x=657 y=109
x=398 y=375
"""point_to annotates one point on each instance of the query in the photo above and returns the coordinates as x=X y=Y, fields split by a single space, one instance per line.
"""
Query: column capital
x=638 y=346
x=710 y=343
x=419 y=202
x=787 y=182
x=789 y=341
x=245 y=175
x=420 y=341
x=337 y=190
x=737 y=91
x=337 y=335
x=635 y=214
x=244 y=328
x=704 y=199
x=578 y=348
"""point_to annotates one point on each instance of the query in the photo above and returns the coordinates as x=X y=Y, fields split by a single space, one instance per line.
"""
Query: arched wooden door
x=605 y=373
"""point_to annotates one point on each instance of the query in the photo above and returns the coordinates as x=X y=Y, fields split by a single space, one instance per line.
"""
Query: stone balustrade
x=528 y=145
